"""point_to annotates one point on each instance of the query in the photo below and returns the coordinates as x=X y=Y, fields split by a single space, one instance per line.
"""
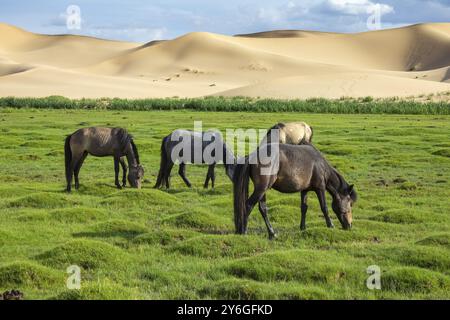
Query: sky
x=142 y=21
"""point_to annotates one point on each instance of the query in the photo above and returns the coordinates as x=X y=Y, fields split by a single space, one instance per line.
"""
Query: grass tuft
x=44 y=200
x=87 y=254
x=100 y=290
x=201 y=219
x=414 y=280
x=214 y=246
x=436 y=240
x=164 y=237
x=22 y=274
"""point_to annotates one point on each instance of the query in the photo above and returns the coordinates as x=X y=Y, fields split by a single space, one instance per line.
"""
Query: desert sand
x=409 y=61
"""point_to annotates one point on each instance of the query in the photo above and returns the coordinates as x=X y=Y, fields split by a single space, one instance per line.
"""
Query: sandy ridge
x=407 y=61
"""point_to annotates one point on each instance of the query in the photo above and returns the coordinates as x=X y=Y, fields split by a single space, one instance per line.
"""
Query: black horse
x=295 y=168
x=101 y=142
x=176 y=146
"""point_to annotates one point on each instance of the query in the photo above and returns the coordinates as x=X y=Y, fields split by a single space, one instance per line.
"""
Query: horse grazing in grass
x=301 y=168
x=290 y=133
x=101 y=142
x=184 y=146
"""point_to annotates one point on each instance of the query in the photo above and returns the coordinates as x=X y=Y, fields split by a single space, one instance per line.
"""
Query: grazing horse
x=300 y=168
x=291 y=133
x=101 y=142
x=184 y=146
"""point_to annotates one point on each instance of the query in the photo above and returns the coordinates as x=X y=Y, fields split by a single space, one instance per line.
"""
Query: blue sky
x=138 y=20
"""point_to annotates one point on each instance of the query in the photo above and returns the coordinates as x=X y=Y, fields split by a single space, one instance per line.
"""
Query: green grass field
x=152 y=244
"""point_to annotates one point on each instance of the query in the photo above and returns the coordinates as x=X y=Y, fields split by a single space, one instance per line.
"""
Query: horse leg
x=263 y=210
x=255 y=198
x=182 y=173
x=77 y=169
x=73 y=165
x=167 y=174
x=69 y=176
x=124 y=169
x=210 y=176
x=116 y=172
x=323 y=205
x=304 y=208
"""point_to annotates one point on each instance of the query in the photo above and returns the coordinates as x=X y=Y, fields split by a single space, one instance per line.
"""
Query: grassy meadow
x=157 y=244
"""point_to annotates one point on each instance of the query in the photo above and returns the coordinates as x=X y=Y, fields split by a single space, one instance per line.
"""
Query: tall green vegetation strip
x=366 y=105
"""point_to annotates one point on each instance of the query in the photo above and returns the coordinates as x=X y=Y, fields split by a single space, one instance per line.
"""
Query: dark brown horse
x=299 y=168
x=101 y=142
x=172 y=152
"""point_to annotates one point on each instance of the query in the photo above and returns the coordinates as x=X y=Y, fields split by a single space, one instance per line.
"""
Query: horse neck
x=131 y=157
x=335 y=182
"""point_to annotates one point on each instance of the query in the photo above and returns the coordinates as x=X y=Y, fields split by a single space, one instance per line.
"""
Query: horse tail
x=240 y=193
x=311 y=136
x=307 y=137
x=162 y=165
x=68 y=158
x=135 y=151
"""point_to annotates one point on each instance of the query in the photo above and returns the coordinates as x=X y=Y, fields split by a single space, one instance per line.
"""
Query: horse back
x=191 y=139
x=98 y=141
x=300 y=167
x=295 y=133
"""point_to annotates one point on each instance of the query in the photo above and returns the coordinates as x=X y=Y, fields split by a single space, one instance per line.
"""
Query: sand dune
x=337 y=85
x=66 y=51
x=407 y=61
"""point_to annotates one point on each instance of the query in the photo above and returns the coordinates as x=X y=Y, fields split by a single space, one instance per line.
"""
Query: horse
x=290 y=133
x=101 y=142
x=299 y=168
x=180 y=146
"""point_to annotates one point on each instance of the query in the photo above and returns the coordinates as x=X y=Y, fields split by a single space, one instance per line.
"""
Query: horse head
x=342 y=205
x=135 y=176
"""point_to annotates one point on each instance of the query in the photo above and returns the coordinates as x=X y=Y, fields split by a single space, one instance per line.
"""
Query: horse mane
x=135 y=151
x=125 y=138
x=343 y=185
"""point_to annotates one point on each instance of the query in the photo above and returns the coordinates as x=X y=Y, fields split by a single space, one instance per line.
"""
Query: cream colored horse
x=291 y=133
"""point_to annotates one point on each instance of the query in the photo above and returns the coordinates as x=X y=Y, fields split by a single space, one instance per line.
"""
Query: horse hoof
x=119 y=187
x=272 y=236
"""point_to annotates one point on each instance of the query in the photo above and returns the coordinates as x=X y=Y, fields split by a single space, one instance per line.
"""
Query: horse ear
x=350 y=188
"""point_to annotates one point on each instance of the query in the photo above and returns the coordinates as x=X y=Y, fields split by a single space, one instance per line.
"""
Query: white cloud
x=356 y=7
x=140 y=20
x=272 y=15
x=323 y=15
